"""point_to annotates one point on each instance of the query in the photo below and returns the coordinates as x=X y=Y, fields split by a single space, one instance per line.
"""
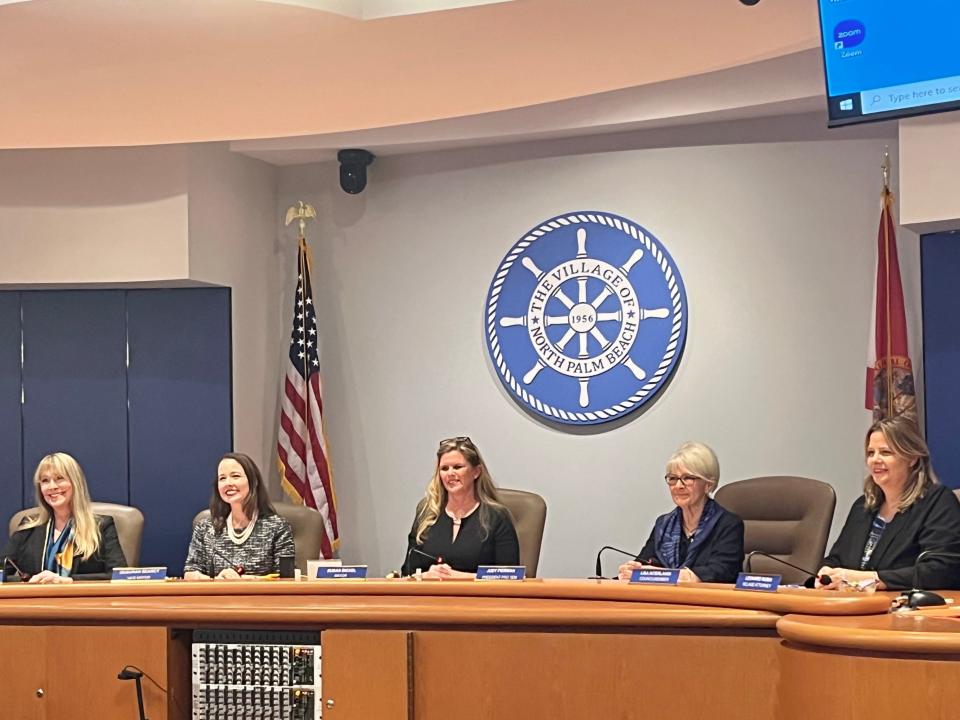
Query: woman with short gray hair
x=698 y=536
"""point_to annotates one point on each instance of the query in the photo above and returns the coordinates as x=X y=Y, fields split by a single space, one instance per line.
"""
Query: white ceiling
x=293 y=81
x=789 y=86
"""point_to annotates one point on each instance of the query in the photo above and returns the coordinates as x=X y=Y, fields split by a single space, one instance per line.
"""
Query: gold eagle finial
x=301 y=211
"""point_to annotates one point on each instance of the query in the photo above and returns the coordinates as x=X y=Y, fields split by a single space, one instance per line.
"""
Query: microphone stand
x=598 y=574
x=917 y=598
x=406 y=562
x=18 y=574
x=747 y=564
x=237 y=568
x=129 y=673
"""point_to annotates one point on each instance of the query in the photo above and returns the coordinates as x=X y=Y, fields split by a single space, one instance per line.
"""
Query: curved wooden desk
x=404 y=649
x=785 y=600
x=879 y=666
x=928 y=632
x=570 y=603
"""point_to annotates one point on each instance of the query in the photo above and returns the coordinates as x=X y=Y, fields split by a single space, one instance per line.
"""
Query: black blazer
x=931 y=523
x=720 y=558
x=25 y=548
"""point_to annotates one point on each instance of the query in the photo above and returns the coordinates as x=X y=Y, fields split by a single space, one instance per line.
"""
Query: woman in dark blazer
x=64 y=541
x=699 y=535
x=903 y=512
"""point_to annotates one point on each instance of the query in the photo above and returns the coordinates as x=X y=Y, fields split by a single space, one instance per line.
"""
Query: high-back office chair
x=529 y=512
x=785 y=516
x=307 y=526
x=129 y=522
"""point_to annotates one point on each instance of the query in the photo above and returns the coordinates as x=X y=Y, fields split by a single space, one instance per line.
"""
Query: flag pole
x=302 y=212
x=306 y=472
x=887 y=202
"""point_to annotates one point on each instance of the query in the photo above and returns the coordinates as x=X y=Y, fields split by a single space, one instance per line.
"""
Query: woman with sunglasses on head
x=460 y=523
x=698 y=535
x=64 y=541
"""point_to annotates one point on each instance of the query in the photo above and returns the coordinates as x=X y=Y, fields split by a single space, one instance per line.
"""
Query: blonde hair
x=435 y=498
x=86 y=530
x=698 y=459
x=905 y=440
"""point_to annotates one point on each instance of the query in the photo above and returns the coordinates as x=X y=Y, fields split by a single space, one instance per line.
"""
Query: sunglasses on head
x=460 y=440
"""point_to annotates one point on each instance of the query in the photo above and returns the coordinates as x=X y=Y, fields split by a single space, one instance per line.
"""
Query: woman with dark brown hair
x=244 y=534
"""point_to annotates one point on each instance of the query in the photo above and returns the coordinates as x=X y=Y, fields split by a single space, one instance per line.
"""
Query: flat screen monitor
x=890 y=58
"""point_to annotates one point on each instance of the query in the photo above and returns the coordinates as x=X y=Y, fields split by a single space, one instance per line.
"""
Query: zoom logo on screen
x=848 y=34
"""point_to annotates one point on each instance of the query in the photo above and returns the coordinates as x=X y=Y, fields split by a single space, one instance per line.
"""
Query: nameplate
x=139 y=573
x=655 y=576
x=762 y=583
x=343 y=572
x=501 y=572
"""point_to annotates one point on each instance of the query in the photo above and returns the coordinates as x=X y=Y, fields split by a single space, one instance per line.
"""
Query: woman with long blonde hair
x=460 y=523
x=64 y=540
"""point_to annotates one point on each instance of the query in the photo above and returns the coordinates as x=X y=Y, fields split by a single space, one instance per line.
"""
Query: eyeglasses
x=684 y=480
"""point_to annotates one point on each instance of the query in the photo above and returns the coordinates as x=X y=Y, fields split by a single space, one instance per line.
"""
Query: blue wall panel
x=11 y=473
x=940 y=266
x=75 y=387
x=180 y=410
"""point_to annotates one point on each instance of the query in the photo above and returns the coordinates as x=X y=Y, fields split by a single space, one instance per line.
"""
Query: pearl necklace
x=239 y=537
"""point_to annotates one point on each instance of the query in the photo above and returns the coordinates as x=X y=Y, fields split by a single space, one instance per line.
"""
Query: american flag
x=302 y=452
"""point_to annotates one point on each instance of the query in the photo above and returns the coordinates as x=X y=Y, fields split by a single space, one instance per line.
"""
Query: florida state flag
x=890 y=388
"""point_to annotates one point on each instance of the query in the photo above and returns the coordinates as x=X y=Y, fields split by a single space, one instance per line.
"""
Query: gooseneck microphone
x=916 y=597
x=406 y=562
x=598 y=574
x=230 y=564
x=18 y=573
x=811 y=576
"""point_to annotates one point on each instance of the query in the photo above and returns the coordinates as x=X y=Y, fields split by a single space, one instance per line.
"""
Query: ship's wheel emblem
x=586 y=318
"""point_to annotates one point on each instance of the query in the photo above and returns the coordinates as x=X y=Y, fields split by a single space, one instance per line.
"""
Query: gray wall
x=776 y=245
